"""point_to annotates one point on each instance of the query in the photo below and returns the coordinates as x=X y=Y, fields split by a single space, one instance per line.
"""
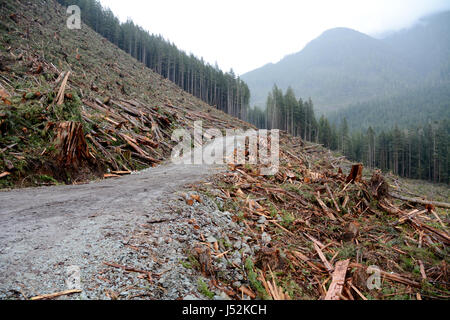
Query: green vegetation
x=419 y=152
x=285 y=112
x=253 y=279
x=387 y=100
x=204 y=290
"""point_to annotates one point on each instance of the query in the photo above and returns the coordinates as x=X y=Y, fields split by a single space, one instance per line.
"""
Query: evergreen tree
x=223 y=90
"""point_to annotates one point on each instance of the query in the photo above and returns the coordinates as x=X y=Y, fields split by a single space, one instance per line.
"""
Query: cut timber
x=108 y=176
x=4 y=174
x=355 y=174
x=323 y=258
x=247 y=292
x=420 y=201
x=62 y=89
x=275 y=291
x=121 y=172
x=338 y=282
x=324 y=207
x=133 y=143
x=330 y=193
x=56 y=295
x=442 y=234
x=70 y=140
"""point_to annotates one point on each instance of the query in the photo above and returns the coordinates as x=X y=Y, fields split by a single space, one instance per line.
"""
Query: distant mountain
x=426 y=46
x=344 y=67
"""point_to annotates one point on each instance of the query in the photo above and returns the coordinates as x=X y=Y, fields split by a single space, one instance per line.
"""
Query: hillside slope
x=239 y=235
x=127 y=112
x=344 y=67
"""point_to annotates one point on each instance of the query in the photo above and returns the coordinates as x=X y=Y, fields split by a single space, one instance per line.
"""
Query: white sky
x=247 y=34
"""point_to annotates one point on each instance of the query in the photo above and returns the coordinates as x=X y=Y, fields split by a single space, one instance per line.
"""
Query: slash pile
x=323 y=234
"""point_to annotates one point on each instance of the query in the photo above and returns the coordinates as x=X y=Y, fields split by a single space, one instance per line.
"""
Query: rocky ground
x=133 y=237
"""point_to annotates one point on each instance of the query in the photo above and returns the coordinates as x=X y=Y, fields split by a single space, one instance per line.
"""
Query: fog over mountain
x=344 y=67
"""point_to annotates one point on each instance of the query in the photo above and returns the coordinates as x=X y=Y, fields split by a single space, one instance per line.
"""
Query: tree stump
x=379 y=187
x=355 y=174
x=71 y=144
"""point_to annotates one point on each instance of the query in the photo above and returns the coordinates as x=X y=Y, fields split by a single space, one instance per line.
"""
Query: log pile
x=127 y=134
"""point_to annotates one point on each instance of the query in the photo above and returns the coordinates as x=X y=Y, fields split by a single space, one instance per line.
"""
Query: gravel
x=139 y=221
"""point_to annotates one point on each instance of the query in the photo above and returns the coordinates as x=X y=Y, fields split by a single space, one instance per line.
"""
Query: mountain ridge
x=343 y=66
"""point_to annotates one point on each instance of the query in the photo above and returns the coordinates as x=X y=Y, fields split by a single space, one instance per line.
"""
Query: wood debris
x=315 y=215
x=71 y=143
x=56 y=295
x=62 y=89
x=4 y=174
x=338 y=282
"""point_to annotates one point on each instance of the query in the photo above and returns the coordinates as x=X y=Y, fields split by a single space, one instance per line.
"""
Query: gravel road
x=137 y=221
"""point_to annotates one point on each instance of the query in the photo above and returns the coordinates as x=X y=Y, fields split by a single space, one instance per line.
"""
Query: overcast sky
x=247 y=34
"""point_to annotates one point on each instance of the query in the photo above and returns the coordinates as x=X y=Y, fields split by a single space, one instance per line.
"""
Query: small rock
x=266 y=239
x=211 y=239
x=236 y=259
x=237 y=262
x=222 y=297
x=262 y=220
x=191 y=298
x=247 y=249
x=238 y=245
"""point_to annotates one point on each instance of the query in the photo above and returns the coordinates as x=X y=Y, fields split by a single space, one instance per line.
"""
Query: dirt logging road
x=45 y=230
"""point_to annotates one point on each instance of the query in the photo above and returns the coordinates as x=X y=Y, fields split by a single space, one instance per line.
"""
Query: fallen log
x=133 y=113
x=107 y=155
x=420 y=201
x=338 y=282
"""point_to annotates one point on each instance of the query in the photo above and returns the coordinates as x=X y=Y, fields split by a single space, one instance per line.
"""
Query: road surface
x=44 y=230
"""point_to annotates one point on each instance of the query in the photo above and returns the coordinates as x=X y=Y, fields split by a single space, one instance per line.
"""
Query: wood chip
x=338 y=282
